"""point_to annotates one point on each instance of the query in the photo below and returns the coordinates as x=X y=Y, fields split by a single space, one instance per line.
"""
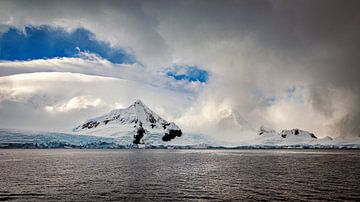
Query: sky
x=222 y=68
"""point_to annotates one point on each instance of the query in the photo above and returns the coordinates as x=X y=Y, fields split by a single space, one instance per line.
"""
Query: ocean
x=179 y=175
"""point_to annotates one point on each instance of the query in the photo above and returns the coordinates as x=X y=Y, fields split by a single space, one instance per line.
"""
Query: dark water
x=167 y=175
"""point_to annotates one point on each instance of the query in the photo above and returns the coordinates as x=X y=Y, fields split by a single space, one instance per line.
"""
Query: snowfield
x=139 y=127
x=10 y=138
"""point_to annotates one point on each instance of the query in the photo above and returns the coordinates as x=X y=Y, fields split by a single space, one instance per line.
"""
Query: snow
x=139 y=127
x=11 y=138
x=296 y=138
x=266 y=130
x=124 y=123
x=40 y=139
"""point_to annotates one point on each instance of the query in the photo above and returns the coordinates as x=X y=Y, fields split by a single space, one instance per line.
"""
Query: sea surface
x=179 y=175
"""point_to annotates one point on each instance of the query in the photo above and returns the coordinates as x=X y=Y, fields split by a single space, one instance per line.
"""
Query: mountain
x=13 y=138
x=297 y=133
x=287 y=133
x=268 y=136
x=235 y=121
x=135 y=122
x=139 y=127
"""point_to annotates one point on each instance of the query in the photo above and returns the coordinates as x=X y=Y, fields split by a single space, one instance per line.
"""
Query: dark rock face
x=164 y=125
x=90 y=124
x=297 y=132
x=151 y=118
x=139 y=134
x=171 y=135
x=313 y=136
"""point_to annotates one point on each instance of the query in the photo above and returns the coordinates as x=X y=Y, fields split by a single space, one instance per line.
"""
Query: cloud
x=255 y=50
x=265 y=47
x=92 y=64
x=75 y=103
x=58 y=101
x=43 y=42
x=120 y=23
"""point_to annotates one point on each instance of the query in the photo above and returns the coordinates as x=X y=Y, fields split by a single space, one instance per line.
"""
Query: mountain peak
x=138 y=102
x=139 y=105
x=137 y=117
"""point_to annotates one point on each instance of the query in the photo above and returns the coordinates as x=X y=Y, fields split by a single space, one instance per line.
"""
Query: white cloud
x=91 y=64
x=61 y=100
x=75 y=103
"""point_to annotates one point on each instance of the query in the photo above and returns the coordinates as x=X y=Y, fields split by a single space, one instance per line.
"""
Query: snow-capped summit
x=294 y=133
x=297 y=132
x=137 y=120
x=268 y=136
x=234 y=120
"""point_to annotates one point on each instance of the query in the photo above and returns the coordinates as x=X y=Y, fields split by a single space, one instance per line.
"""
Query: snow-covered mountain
x=234 y=121
x=138 y=126
x=136 y=123
x=294 y=133
x=12 y=138
x=268 y=136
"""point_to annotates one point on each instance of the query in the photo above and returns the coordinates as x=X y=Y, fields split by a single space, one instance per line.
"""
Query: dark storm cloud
x=315 y=43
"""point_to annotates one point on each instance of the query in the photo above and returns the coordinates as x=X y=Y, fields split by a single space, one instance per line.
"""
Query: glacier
x=12 y=138
x=137 y=126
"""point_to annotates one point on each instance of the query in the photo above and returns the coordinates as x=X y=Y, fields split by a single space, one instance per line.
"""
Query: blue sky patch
x=188 y=73
x=295 y=93
x=269 y=101
x=43 y=42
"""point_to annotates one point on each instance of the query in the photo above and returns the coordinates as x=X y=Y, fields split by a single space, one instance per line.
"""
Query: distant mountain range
x=137 y=126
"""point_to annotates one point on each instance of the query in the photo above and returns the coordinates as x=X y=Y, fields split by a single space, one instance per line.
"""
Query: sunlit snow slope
x=136 y=122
